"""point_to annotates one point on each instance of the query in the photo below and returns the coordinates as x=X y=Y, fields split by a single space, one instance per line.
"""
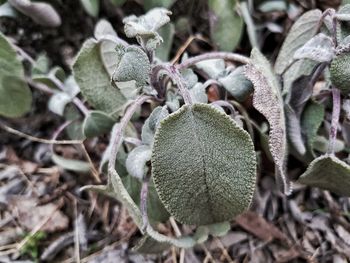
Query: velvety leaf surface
x=211 y=181
x=329 y=173
x=15 y=96
x=136 y=161
x=302 y=30
x=41 y=12
x=133 y=65
x=167 y=32
x=268 y=101
x=97 y=90
x=223 y=16
x=319 y=48
x=97 y=123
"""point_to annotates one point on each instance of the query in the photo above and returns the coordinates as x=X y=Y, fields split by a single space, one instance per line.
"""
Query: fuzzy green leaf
x=268 y=101
x=329 y=173
x=136 y=161
x=237 y=84
x=224 y=16
x=15 y=96
x=151 y=124
x=145 y=27
x=302 y=31
x=167 y=33
x=97 y=123
x=94 y=80
x=203 y=165
x=40 y=12
x=214 y=68
x=311 y=121
x=134 y=65
x=71 y=165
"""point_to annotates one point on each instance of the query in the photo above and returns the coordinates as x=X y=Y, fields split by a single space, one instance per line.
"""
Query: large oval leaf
x=203 y=165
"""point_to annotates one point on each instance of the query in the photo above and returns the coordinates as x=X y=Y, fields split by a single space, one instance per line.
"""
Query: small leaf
x=343 y=13
x=329 y=173
x=321 y=144
x=137 y=160
x=302 y=31
x=190 y=77
x=237 y=84
x=319 y=48
x=97 y=123
x=145 y=27
x=203 y=165
x=151 y=124
x=6 y=10
x=92 y=7
x=201 y=235
x=167 y=33
x=134 y=65
x=71 y=165
x=268 y=101
x=15 y=96
x=311 y=121
x=58 y=102
x=223 y=16
x=94 y=81
x=214 y=68
x=104 y=28
x=198 y=94
x=42 y=13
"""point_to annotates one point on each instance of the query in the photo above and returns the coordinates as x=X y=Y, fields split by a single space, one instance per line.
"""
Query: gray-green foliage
x=133 y=65
x=328 y=172
x=15 y=95
x=223 y=16
x=302 y=31
x=94 y=80
x=267 y=99
x=214 y=179
x=144 y=28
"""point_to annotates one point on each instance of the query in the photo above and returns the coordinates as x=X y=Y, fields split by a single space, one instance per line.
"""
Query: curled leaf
x=268 y=101
x=319 y=48
x=203 y=165
x=145 y=27
x=133 y=65
x=42 y=13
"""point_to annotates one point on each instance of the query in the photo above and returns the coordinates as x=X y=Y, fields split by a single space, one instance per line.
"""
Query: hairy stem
x=120 y=131
x=335 y=119
x=175 y=75
x=213 y=55
x=143 y=203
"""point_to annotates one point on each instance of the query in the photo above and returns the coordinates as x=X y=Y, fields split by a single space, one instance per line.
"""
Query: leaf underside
x=268 y=101
x=203 y=165
x=329 y=173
